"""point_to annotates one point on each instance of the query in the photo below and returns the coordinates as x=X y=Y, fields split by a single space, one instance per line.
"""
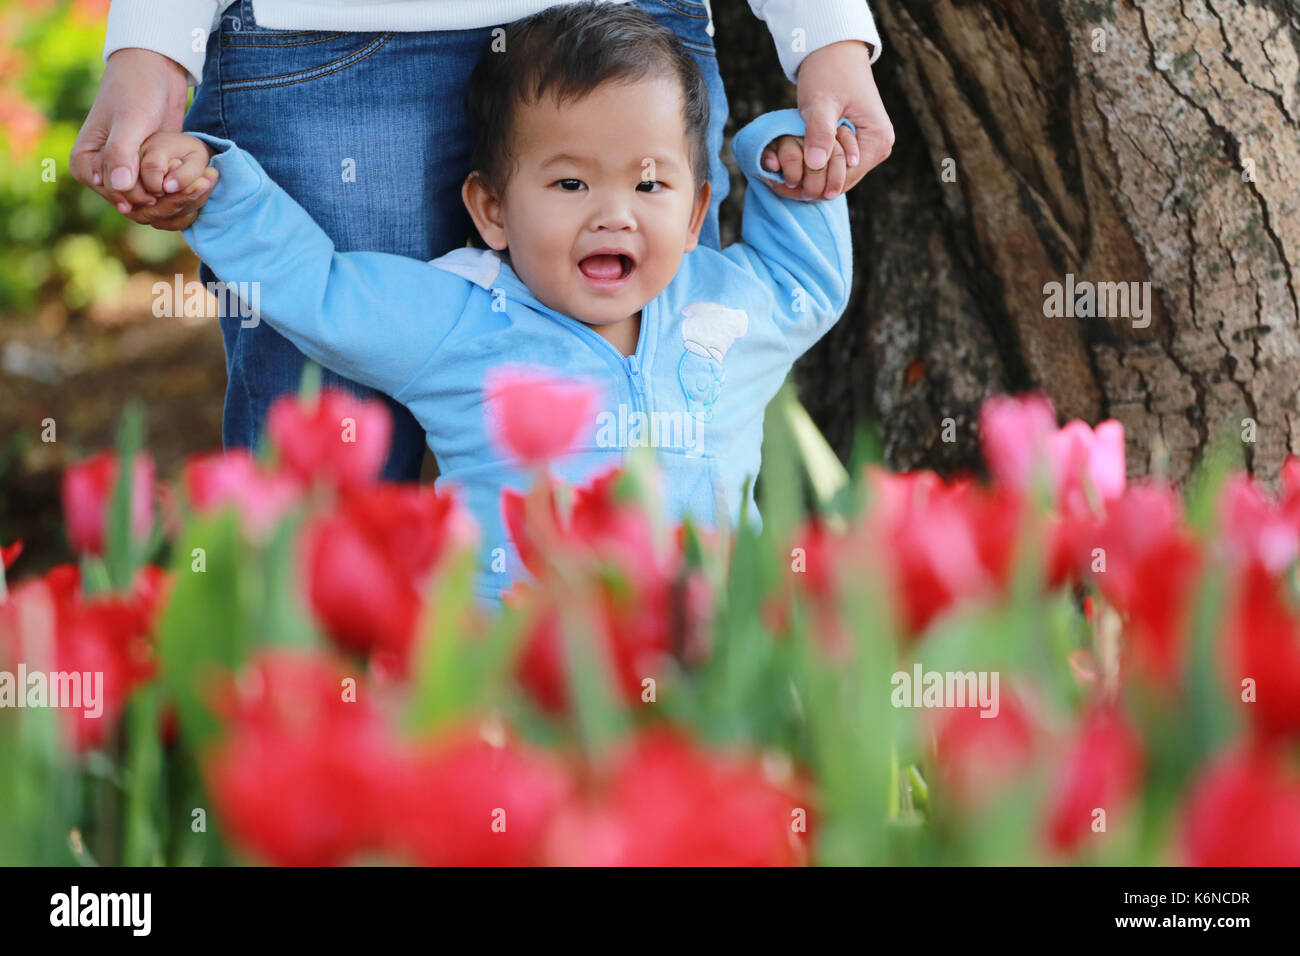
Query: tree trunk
x=1075 y=142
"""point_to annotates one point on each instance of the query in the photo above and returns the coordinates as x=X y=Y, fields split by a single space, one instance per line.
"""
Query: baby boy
x=588 y=190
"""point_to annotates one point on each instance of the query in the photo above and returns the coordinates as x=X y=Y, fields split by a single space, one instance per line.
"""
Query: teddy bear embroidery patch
x=708 y=331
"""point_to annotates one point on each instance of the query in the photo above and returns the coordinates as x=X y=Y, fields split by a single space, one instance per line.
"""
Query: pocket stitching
x=302 y=76
x=686 y=9
x=236 y=39
x=702 y=50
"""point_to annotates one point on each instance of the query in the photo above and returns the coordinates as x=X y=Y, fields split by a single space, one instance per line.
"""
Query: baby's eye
x=569 y=185
x=648 y=186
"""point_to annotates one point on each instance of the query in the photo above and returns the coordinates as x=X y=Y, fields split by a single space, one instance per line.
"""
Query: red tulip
x=49 y=625
x=1264 y=645
x=667 y=802
x=339 y=439
x=367 y=563
x=942 y=544
x=88 y=488
x=463 y=801
x=1244 y=811
x=302 y=777
x=977 y=755
x=534 y=416
x=1101 y=771
x=1151 y=570
x=233 y=478
x=633 y=598
x=9 y=554
x=818 y=562
x=633 y=640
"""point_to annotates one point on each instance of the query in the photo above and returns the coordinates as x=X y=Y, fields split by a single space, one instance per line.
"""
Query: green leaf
x=826 y=475
x=455 y=667
x=1221 y=459
x=598 y=713
x=144 y=780
x=122 y=552
x=207 y=628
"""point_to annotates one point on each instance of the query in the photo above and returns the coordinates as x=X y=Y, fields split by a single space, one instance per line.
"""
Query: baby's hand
x=174 y=167
x=785 y=155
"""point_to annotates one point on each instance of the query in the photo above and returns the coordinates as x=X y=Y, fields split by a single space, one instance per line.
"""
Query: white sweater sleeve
x=800 y=26
x=177 y=29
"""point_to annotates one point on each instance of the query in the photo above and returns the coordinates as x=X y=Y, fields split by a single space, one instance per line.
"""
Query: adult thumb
x=122 y=150
x=820 y=120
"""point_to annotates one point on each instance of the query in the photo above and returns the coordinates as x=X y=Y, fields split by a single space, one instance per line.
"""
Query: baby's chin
x=595 y=317
x=601 y=310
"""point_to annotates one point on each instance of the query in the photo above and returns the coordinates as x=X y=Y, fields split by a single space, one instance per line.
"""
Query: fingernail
x=124 y=207
x=199 y=185
x=122 y=178
x=831 y=194
x=816 y=157
x=97 y=179
x=171 y=185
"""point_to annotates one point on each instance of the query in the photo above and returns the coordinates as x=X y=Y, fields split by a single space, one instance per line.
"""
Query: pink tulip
x=1019 y=434
x=1096 y=456
x=535 y=417
x=1015 y=433
x=233 y=478
x=88 y=492
x=1259 y=528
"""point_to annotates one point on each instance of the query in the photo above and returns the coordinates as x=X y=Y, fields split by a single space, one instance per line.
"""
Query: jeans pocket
x=255 y=59
x=690 y=21
x=688 y=7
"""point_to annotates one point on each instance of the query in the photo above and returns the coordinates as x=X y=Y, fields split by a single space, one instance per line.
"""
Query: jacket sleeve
x=372 y=317
x=799 y=27
x=801 y=251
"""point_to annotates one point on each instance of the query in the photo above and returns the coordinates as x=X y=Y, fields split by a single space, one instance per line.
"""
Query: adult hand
x=141 y=93
x=836 y=81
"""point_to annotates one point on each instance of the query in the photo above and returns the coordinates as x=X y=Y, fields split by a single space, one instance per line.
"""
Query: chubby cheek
x=665 y=256
x=543 y=248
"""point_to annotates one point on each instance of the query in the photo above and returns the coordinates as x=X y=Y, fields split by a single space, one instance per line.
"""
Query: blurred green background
x=77 y=334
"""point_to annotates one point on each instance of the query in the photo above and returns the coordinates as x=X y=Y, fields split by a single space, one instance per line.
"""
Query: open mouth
x=606 y=268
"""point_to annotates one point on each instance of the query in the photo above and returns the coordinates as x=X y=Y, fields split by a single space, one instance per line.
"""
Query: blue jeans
x=368 y=132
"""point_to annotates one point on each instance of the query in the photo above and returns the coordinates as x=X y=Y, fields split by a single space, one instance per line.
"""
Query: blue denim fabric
x=368 y=133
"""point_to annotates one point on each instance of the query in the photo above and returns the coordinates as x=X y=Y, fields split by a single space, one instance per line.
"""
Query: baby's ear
x=485 y=209
x=698 y=212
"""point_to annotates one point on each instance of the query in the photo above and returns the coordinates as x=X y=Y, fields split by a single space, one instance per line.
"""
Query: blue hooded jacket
x=714 y=346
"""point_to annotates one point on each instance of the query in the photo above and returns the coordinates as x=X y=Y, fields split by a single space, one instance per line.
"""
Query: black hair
x=567 y=51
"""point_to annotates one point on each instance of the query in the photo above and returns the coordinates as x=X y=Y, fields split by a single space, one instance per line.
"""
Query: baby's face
x=602 y=204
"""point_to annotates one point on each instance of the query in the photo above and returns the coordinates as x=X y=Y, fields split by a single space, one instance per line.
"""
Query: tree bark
x=1111 y=140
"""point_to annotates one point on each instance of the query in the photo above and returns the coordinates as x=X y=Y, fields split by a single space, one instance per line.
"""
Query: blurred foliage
x=57 y=237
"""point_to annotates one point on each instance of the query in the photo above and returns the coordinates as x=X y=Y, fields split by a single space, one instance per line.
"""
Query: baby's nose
x=614 y=213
